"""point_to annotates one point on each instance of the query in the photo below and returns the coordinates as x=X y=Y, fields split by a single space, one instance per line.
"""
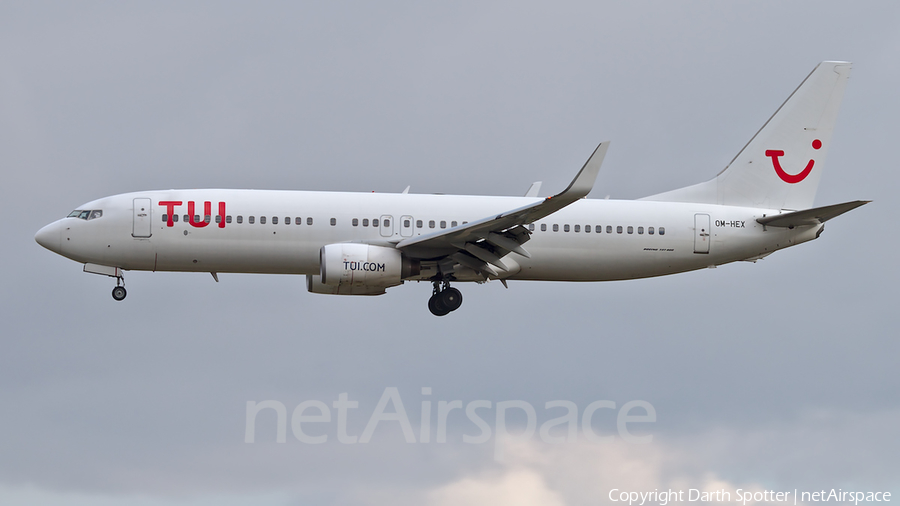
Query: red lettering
x=170 y=209
x=207 y=209
x=221 y=215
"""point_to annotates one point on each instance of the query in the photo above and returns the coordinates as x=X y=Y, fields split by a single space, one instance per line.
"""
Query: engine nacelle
x=314 y=285
x=363 y=265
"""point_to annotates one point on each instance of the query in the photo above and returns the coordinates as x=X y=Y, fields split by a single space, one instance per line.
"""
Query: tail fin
x=781 y=166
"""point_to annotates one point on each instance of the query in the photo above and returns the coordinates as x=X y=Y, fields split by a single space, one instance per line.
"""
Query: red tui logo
x=791 y=178
x=170 y=206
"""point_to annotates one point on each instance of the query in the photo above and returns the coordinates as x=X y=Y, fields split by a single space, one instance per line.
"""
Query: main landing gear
x=119 y=291
x=444 y=299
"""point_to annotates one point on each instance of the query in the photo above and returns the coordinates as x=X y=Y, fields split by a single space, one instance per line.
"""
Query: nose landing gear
x=119 y=292
x=444 y=299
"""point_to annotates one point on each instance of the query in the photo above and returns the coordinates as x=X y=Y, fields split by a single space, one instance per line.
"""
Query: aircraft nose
x=49 y=237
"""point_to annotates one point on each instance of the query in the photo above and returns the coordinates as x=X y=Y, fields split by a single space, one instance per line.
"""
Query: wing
x=481 y=244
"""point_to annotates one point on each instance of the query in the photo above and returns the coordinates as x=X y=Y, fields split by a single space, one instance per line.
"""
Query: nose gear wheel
x=119 y=292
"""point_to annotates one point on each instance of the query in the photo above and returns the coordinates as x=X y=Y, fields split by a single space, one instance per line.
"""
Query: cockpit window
x=86 y=215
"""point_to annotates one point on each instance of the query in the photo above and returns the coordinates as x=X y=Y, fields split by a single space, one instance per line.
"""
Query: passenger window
x=578 y=228
x=333 y=221
x=418 y=223
x=640 y=230
x=650 y=230
x=555 y=227
x=240 y=218
x=375 y=222
x=262 y=220
x=543 y=227
x=630 y=229
x=287 y=220
x=465 y=222
x=218 y=218
x=387 y=223
x=274 y=220
x=365 y=222
x=662 y=230
x=566 y=227
x=443 y=224
x=196 y=218
x=298 y=221
x=453 y=223
x=165 y=217
x=407 y=223
x=207 y=218
x=355 y=222
x=309 y=221
x=228 y=219
x=175 y=218
x=430 y=223
x=619 y=229
x=186 y=218
x=252 y=220
x=531 y=227
x=609 y=229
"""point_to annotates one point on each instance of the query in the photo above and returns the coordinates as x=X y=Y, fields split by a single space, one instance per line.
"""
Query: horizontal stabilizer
x=813 y=216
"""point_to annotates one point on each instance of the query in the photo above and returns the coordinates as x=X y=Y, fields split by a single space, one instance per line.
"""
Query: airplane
x=363 y=243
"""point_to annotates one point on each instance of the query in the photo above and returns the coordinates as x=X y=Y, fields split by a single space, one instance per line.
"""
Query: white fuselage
x=626 y=239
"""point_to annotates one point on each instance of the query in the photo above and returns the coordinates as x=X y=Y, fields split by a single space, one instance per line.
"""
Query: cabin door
x=701 y=233
x=141 y=218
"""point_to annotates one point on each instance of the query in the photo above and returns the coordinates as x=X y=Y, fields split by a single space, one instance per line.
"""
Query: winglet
x=456 y=238
x=584 y=181
x=533 y=189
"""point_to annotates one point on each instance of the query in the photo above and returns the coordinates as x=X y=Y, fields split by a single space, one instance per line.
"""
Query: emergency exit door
x=387 y=226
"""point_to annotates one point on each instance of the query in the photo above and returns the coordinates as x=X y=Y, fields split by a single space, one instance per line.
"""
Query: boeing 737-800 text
x=364 y=243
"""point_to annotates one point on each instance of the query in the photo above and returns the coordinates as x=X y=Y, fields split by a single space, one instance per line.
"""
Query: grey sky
x=780 y=374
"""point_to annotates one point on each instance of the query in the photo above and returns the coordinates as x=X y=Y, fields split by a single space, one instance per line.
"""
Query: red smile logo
x=791 y=178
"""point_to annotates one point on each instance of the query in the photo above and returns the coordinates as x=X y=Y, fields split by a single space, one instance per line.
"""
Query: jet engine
x=360 y=269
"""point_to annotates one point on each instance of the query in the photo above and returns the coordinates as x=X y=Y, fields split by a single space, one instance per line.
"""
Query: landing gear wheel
x=119 y=293
x=436 y=305
x=444 y=299
x=451 y=298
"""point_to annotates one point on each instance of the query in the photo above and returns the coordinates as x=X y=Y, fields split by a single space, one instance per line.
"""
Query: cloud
x=576 y=474
x=818 y=451
x=524 y=487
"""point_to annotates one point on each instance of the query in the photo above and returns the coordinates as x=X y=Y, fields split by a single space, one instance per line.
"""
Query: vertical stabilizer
x=781 y=166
